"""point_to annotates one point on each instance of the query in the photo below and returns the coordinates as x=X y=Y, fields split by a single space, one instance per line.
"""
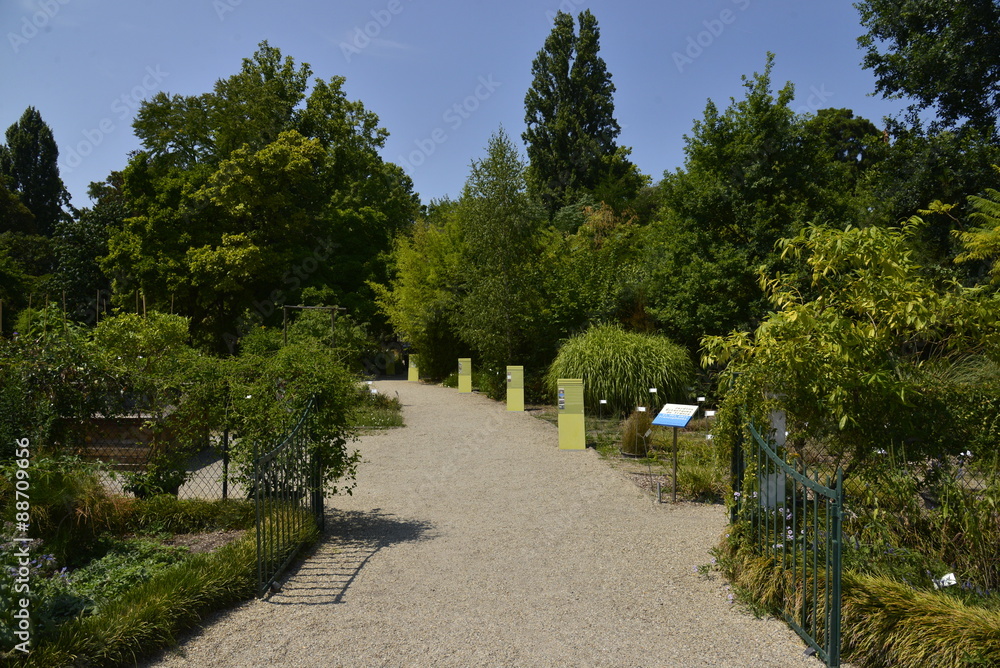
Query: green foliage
x=940 y=53
x=81 y=240
x=30 y=165
x=125 y=564
x=983 y=241
x=376 y=410
x=622 y=366
x=919 y=167
x=264 y=393
x=853 y=340
x=590 y=275
x=499 y=227
x=70 y=506
x=884 y=622
x=52 y=382
x=571 y=128
x=422 y=300
x=754 y=173
x=168 y=513
x=147 y=617
x=232 y=216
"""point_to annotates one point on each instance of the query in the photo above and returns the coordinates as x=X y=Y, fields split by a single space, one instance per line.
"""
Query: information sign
x=675 y=415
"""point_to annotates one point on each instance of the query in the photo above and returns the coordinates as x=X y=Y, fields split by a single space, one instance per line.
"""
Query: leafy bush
x=265 y=393
x=124 y=565
x=148 y=616
x=622 y=366
x=51 y=382
x=70 y=506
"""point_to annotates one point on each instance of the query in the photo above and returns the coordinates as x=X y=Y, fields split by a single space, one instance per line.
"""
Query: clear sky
x=85 y=65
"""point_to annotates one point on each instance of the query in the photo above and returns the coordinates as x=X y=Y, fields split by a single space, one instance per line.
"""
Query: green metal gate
x=795 y=521
x=288 y=495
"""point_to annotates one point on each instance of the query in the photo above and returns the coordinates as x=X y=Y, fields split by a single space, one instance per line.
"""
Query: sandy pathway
x=471 y=540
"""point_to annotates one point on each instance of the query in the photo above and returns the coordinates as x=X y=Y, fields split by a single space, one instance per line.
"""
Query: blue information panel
x=675 y=415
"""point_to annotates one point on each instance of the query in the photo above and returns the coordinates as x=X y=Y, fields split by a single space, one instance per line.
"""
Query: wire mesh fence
x=140 y=460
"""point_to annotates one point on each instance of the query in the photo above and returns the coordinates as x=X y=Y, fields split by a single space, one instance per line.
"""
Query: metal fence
x=288 y=492
x=138 y=462
x=794 y=520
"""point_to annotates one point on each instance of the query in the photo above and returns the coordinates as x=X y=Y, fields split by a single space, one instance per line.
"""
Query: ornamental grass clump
x=621 y=367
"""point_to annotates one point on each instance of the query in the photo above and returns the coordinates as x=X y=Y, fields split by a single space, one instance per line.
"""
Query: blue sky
x=441 y=76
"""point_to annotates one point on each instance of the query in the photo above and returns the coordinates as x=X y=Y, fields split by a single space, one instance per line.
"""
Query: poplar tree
x=29 y=164
x=569 y=113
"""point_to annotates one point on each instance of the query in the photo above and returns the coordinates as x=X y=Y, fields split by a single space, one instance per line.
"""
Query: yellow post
x=515 y=388
x=465 y=374
x=572 y=428
x=413 y=373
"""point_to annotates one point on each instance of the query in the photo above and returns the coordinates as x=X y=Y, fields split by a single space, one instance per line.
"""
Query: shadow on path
x=351 y=540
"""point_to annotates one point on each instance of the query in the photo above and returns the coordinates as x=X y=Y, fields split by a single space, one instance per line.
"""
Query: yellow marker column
x=515 y=388
x=465 y=374
x=572 y=428
x=413 y=373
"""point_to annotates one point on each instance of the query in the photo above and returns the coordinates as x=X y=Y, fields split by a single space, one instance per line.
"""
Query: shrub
x=633 y=430
x=622 y=366
x=70 y=507
x=148 y=616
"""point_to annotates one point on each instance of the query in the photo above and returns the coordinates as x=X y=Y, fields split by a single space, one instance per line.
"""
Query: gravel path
x=471 y=540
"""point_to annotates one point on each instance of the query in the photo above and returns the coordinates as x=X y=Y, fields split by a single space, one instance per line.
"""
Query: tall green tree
x=30 y=164
x=877 y=335
x=257 y=194
x=749 y=179
x=500 y=226
x=423 y=297
x=945 y=54
x=571 y=127
x=81 y=240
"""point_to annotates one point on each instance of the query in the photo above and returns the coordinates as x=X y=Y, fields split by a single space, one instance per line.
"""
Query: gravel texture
x=471 y=540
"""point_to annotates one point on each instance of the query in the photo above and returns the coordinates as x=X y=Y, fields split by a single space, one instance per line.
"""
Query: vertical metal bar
x=833 y=659
x=225 y=464
x=815 y=565
x=675 y=465
x=756 y=502
x=257 y=512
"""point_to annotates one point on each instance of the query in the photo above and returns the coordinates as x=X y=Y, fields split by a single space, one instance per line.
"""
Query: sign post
x=677 y=416
x=413 y=373
x=572 y=427
x=515 y=388
x=465 y=375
